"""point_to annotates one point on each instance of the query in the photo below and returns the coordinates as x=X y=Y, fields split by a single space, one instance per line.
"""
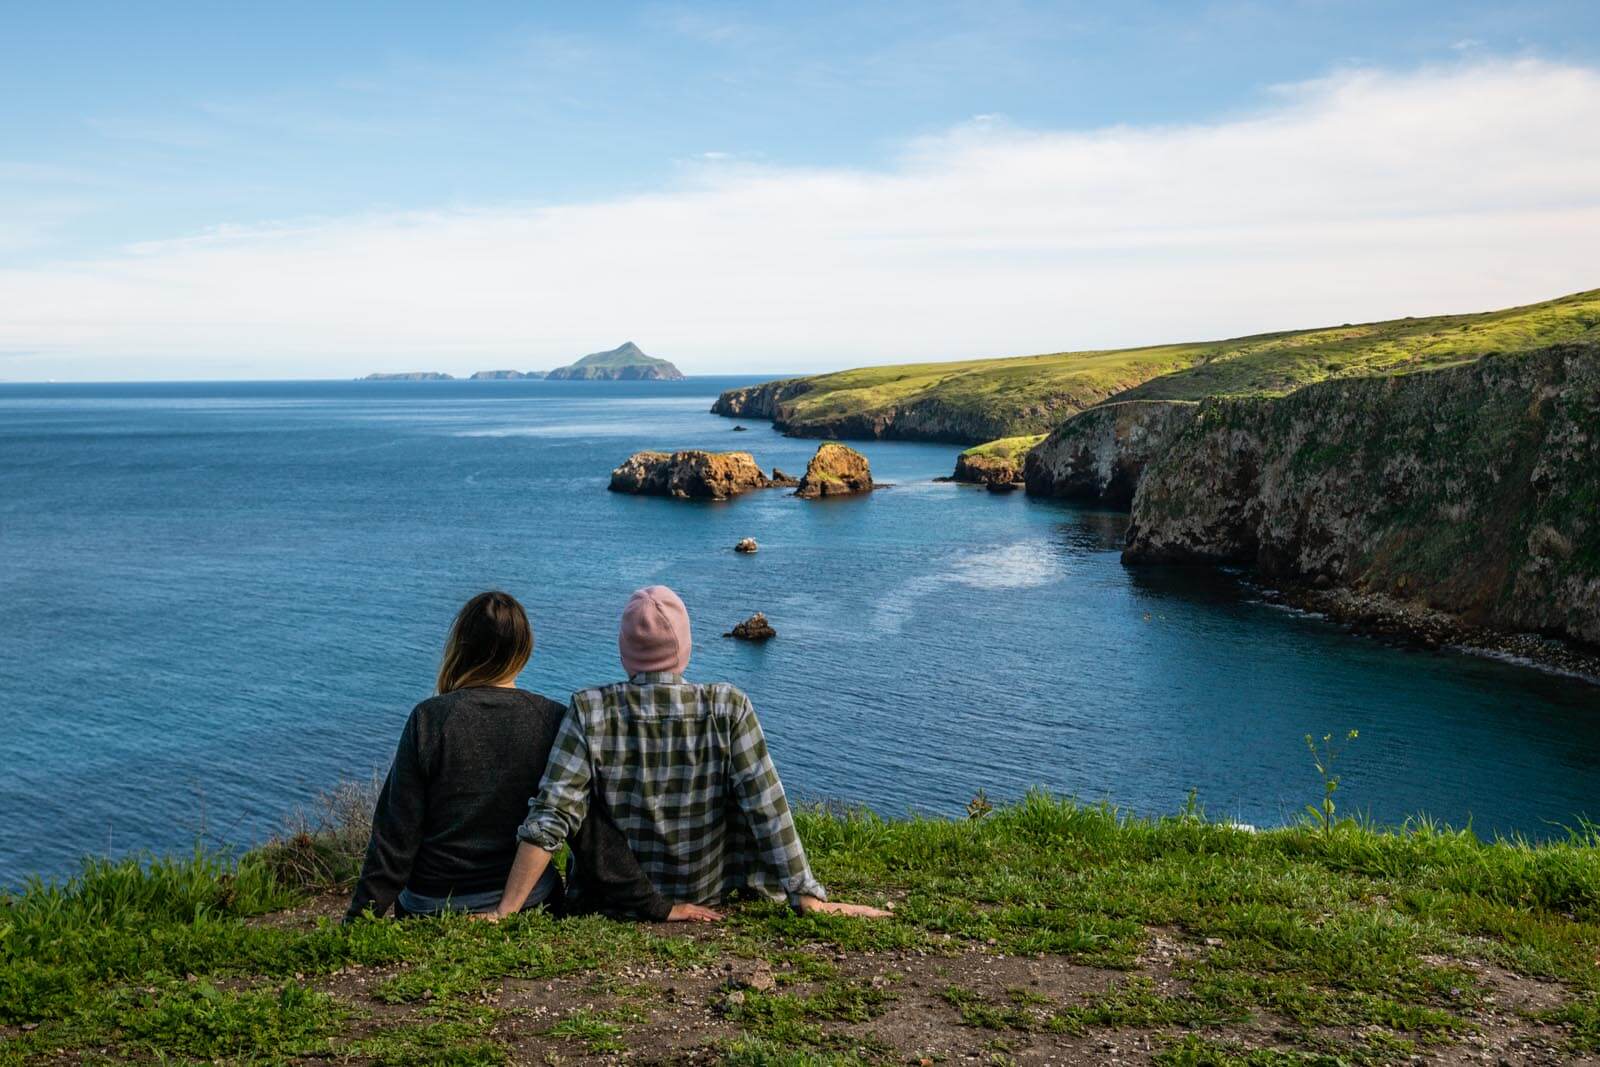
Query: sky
x=324 y=190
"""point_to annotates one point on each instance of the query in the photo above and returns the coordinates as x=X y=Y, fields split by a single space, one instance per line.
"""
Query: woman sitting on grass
x=445 y=830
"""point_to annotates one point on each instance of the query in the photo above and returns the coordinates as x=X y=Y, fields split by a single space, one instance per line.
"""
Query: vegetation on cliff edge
x=1033 y=394
x=1006 y=448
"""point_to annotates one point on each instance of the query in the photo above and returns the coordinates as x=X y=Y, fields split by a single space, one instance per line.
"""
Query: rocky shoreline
x=1414 y=626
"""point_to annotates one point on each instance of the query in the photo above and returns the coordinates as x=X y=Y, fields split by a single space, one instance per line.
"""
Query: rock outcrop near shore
x=995 y=463
x=979 y=469
x=835 y=471
x=689 y=475
x=1101 y=453
x=1473 y=490
x=762 y=401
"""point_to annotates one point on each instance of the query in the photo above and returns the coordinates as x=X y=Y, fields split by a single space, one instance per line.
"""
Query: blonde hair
x=489 y=640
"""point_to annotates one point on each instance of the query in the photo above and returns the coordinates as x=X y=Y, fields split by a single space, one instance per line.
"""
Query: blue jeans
x=410 y=903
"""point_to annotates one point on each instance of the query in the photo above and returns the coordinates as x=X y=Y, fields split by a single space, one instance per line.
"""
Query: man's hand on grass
x=813 y=906
x=692 y=913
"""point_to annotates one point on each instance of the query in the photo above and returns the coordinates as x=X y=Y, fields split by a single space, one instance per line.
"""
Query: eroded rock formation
x=835 y=470
x=755 y=628
x=987 y=470
x=689 y=475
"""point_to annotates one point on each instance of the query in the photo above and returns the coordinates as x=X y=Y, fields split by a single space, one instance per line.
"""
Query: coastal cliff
x=1473 y=490
x=924 y=418
x=759 y=401
x=1101 y=453
x=973 y=401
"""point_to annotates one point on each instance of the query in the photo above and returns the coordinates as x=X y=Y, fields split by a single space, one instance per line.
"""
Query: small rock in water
x=747 y=544
x=755 y=628
x=779 y=477
x=741 y=429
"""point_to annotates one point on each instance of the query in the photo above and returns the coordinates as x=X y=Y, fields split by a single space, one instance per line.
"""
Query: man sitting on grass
x=684 y=770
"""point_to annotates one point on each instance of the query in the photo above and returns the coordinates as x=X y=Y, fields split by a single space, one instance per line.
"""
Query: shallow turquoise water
x=216 y=599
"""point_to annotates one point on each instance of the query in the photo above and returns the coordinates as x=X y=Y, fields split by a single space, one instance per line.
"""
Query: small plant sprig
x=979 y=806
x=1323 y=756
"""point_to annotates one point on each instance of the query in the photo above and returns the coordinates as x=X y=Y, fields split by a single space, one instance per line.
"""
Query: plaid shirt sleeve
x=766 y=809
x=563 y=801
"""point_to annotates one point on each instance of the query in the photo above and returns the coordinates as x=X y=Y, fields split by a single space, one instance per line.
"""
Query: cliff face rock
x=835 y=471
x=689 y=475
x=931 y=419
x=759 y=401
x=1473 y=490
x=1100 y=454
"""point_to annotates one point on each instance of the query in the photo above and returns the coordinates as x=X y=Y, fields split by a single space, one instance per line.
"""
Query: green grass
x=997 y=398
x=1006 y=448
x=1350 y=930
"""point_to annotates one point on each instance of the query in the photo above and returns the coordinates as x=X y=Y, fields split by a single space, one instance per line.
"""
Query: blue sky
x=130 y=132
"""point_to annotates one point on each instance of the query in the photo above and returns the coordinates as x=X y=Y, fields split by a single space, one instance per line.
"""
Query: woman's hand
x=813 y=906
x=692 y=913
x=485 y=916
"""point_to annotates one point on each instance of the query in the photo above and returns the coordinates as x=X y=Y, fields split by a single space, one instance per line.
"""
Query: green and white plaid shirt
x=685 y=771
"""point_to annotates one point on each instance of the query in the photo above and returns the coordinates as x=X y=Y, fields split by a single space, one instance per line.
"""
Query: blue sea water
x=218 y=599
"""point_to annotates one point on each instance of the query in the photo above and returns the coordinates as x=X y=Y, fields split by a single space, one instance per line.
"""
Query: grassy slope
x=1180 y=940
x=1006 y=448
x=1266 y=363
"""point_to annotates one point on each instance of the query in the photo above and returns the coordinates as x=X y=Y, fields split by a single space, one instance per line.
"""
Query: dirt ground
x=686 y=1015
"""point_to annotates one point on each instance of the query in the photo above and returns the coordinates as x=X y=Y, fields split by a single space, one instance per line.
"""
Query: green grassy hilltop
x=1040 y=930
x=980 y=400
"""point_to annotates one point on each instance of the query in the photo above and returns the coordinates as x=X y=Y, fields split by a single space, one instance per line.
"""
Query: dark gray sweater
x=446 y=822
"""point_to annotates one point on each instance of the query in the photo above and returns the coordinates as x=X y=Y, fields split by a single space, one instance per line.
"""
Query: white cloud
x=1363 y=195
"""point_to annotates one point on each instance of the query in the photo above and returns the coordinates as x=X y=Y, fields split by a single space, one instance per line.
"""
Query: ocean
x=217 y=599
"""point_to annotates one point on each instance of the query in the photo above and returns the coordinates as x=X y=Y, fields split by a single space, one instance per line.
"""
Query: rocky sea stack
x=755 y=628
x=689 y=475
x=835 y=470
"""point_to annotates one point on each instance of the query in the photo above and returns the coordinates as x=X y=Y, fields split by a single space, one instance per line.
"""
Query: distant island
x=507 y=375
x=625 y=363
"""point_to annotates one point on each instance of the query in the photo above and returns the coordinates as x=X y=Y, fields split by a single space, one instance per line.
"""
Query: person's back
x=446 y=821
x=682 y=768
x=685 y=771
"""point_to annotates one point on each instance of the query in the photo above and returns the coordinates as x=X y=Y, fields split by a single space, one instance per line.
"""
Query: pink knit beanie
x=655 y=632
